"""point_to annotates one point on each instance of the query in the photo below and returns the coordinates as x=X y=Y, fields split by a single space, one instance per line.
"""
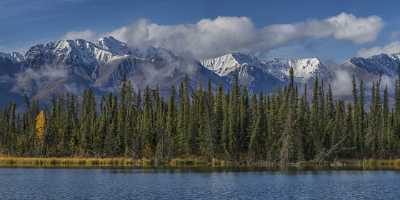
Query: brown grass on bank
x=72 y=162
x=124 y=162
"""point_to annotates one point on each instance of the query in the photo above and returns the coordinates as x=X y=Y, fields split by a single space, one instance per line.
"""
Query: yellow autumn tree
x=40 y=126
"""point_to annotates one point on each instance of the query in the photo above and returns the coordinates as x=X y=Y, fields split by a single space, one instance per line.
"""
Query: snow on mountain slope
x=77 y=52
x=228 y=63
x=13 y=57
x=113 y=46
x=250 y=71
x=265 y=75
x=305 y=69
x=382 y=64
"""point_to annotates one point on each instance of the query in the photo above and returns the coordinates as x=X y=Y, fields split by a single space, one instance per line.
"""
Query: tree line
x=284 y=127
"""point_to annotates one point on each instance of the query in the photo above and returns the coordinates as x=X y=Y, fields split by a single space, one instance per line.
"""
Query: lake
x=99 y=184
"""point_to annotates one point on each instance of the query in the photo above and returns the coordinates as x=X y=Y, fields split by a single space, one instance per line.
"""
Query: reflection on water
x=97 y=184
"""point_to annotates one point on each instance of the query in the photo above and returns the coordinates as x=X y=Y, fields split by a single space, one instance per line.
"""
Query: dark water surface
x=88 y=184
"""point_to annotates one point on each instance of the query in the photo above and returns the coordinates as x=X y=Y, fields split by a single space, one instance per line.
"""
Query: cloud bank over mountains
x=214 y=37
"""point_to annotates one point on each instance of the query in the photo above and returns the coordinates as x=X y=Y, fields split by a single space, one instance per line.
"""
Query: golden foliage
x=40 y=125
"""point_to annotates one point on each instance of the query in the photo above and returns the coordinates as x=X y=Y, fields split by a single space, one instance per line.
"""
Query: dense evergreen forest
x=284 y=127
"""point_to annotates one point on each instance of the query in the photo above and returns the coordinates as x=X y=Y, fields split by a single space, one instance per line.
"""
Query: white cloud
x=387 y=81
x=29 y=79
x=390 y=48
x=359 y=30
x=85 y=34
x=341 y=27
x=212 y=37
x=341 y=83
x=203 y=39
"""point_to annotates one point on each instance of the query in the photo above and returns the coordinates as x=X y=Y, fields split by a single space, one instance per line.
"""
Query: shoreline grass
x=124 y=162
x=72 y=162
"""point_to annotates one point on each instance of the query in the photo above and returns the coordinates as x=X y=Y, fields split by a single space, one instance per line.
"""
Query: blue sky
x=27 y=22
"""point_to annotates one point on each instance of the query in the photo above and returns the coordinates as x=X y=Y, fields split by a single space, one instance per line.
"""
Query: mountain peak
x=243 y=58
x=395 y=56
x=108 y=39
x=305 y=68
x=17 y=56
x=228 y=63
x=14 y=56
x=377 y=64
x=113 y=45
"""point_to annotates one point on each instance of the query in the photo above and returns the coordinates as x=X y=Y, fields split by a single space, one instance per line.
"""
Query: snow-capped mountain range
x=264 y=75
x=74 y=65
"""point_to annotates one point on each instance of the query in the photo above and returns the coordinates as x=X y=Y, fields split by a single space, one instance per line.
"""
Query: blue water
x=96 y=184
